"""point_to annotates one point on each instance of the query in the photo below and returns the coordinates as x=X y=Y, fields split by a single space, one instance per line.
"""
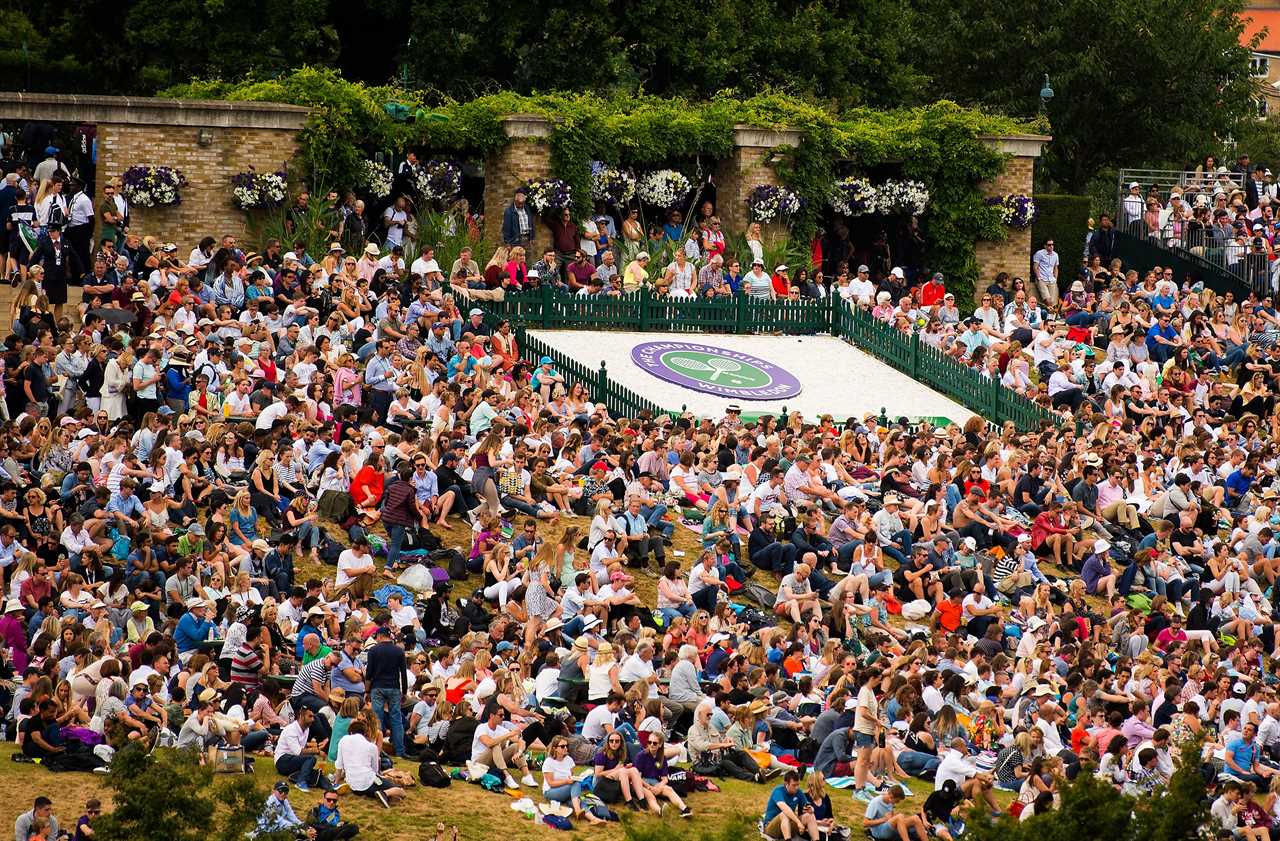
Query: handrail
x=643 y=311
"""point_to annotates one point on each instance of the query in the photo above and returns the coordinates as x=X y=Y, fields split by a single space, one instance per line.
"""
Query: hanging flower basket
x=853 y=196
x=769 y=203
x=252 y=190
x=547 y=194
x=664 y=188
x=152 y=186
x=1016 y=210
x=376 y=179
x=901 y=197
x=612 y=185
x=438 y=181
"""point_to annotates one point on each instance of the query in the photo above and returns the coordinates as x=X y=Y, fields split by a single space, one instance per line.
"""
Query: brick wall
x=206 y=207
x=1013 y=254
x=520 y=161
x=744 y=170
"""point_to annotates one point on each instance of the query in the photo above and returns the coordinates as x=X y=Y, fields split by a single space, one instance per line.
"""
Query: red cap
x=599 y=465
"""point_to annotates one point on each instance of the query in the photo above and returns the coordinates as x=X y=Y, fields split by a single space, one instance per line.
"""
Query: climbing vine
x=938 y=145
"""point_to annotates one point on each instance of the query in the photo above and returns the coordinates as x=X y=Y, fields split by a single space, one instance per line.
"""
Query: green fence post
x=605 y=392
x=644 y=308
x=544 y=304
x=915 y=356
x=994 y=399
x=742 y=313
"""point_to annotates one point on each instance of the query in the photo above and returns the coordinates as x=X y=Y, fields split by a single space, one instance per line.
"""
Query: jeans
x=320 y=728
x=309 y=536
x=300 y=769
x=395 y=540
x=255 y=740
x=899 y=547
x=563 y=794
x=386 y=706
x=466 y=498
x=519 y=505
x=777 y=557
x=653 y=515
x=686 y=610
x=706 y=598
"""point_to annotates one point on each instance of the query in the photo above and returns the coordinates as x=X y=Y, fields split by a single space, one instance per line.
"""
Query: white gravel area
x=836 y=377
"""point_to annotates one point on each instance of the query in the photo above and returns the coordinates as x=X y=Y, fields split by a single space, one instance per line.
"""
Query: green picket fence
x=643 y=311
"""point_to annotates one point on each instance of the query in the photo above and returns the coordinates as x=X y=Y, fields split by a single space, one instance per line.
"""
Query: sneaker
x=863 y=796
x=527 y=780
x=382 y=798
x=302 y=786
x=102 y=769
x=686 y=812
x=772 y=771
x=634 y=806
x=510 y=781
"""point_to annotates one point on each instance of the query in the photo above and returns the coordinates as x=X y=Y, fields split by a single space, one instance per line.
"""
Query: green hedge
x=938 y=144
x=1064 y=219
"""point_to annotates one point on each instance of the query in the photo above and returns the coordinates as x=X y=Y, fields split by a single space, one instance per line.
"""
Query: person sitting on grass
x=789 y=814
x=885 y=824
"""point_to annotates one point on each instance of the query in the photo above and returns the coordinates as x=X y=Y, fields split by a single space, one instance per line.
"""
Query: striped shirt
x=246 y=665
x=317 y=671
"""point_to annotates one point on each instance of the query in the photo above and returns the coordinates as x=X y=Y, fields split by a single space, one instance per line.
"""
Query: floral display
x=769 y=203
x=1016 y=210
x=376 y=178
x=549 y=194
x=612 y=185
x=665 y=188
x=438 y=180
x=152 y=186
x=853 y=196
x=253 y=189
x=907 y=197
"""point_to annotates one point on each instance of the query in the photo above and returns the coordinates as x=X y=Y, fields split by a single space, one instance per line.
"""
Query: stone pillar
x=746 y=168
x=1013 y=254
x=525 y=158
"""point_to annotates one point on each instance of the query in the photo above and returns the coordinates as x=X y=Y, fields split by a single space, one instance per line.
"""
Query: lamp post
x=1046 y=94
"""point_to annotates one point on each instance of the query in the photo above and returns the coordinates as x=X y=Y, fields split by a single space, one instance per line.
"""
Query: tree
x=168 y=794
x=1135 y=83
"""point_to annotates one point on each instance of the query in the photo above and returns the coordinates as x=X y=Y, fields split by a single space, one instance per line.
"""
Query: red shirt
x=366 y=481
x=931 y=294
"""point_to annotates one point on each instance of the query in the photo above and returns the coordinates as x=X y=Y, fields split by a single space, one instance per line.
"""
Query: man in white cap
x=193 y=628
x=1133 y=206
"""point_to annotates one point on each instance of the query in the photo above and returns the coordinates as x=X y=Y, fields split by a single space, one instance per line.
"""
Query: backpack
x=452 y=561
x=807 y=750
x=760 y=594
x=432 y=775
x=457 y=742
x=755 y=619
x=330 y=549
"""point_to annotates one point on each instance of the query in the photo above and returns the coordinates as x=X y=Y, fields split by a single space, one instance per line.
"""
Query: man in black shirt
x=385 y=675
x=447 y=479
x=41 y=737
x=35 y=387
x=1029 y=492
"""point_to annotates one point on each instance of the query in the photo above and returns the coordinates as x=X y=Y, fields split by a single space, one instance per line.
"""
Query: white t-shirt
x=349 y=560
x=866 y=723
x=358 y=760
x=478 y=748
x=558 y=768
x=593 y=728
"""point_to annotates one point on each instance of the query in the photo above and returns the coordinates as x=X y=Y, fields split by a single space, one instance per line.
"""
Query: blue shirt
x=796 y=801
x=191 y=631
x=1242 y=753
x=126 y=505
x=1166 y=332
x=1238 y=485
x=879 y=807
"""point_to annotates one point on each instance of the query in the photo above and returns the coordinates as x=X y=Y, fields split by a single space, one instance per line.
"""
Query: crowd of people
x=187 y=451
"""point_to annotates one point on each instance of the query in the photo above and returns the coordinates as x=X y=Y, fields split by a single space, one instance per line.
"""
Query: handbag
x=608 y=789
x=707 y=764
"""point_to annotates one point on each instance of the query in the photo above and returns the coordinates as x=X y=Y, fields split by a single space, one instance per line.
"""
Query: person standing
x=60 y=263
x=517 y=222
x=79 y=233
x=385 y=677
x=1045 y=263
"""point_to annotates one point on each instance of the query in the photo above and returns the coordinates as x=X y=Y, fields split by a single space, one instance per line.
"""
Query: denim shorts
x=863 y=740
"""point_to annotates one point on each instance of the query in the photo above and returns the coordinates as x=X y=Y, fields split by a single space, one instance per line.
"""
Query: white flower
x=905 y=197
x=376 y=178
x=853 y=196
x=665 y=188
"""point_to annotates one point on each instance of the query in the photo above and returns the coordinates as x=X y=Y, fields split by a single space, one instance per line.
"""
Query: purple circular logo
x=715 y=370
